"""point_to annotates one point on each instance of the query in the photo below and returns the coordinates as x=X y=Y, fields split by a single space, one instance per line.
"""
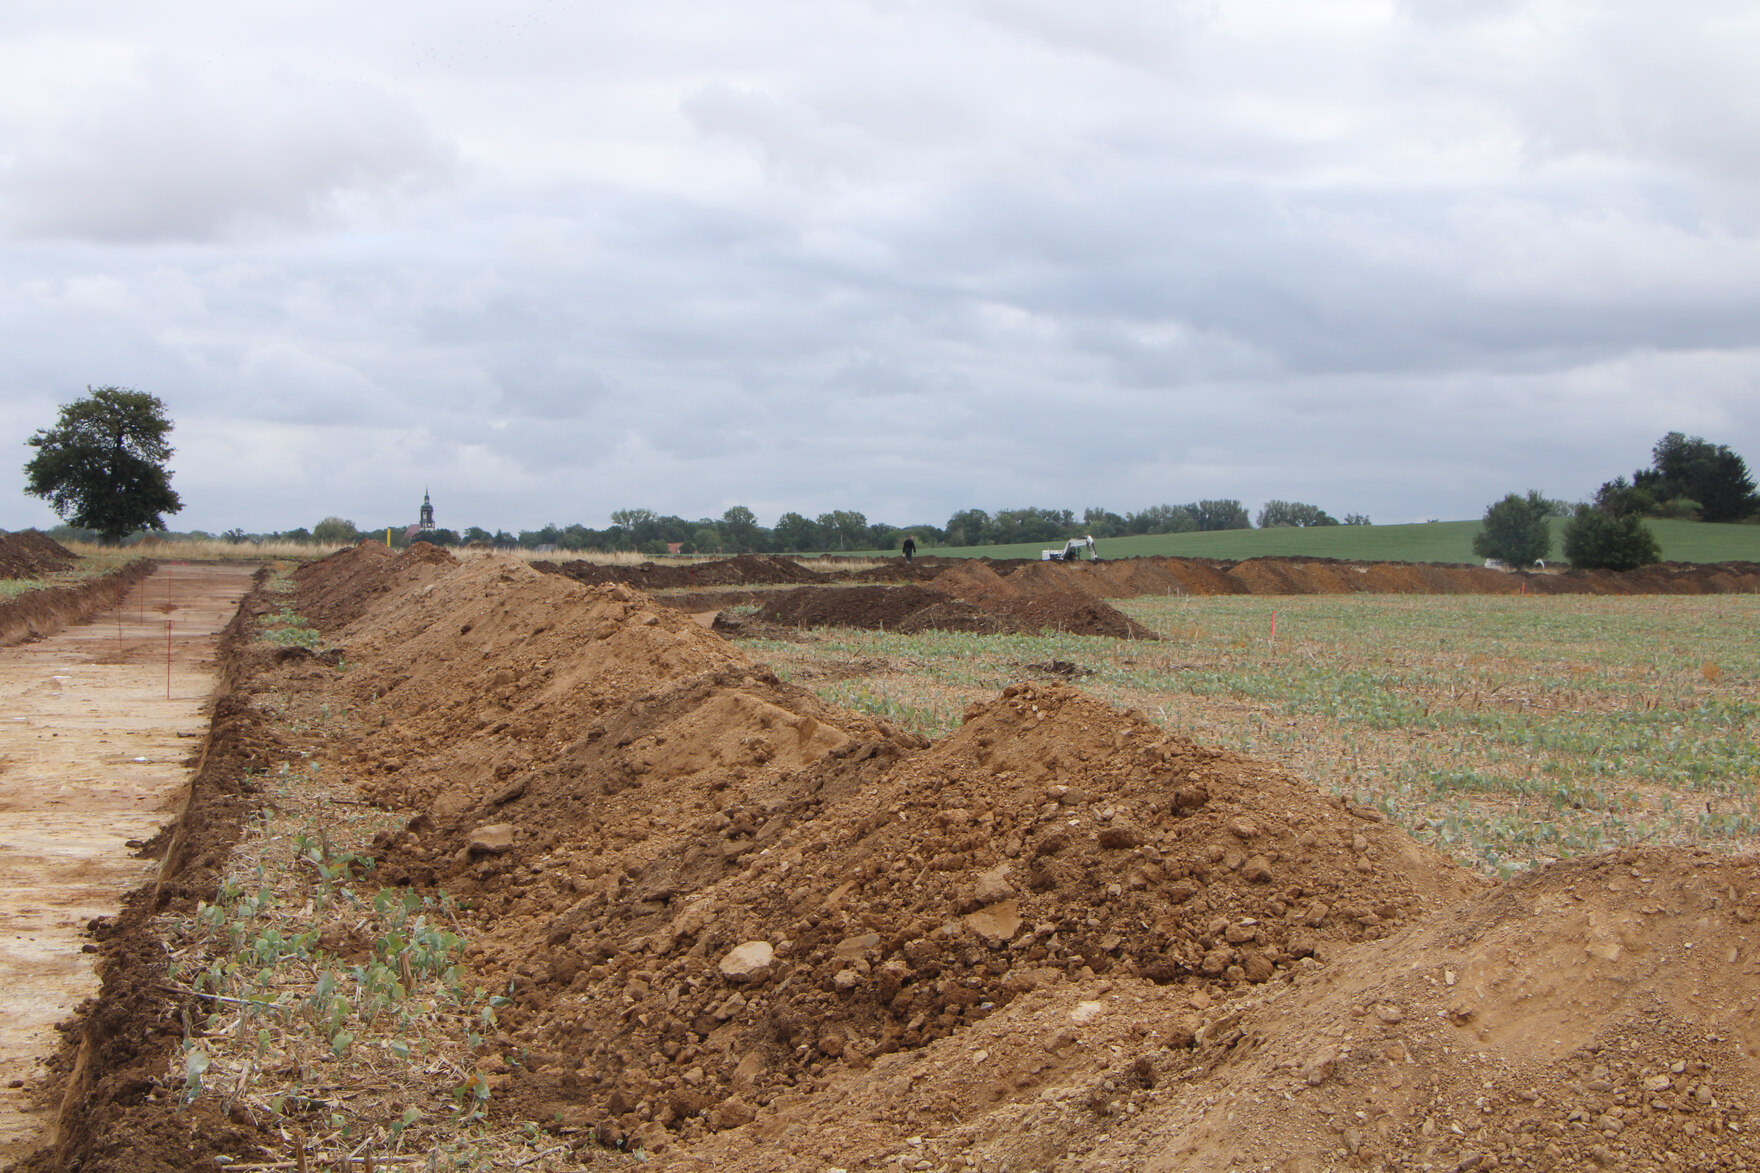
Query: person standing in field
x=910 y=548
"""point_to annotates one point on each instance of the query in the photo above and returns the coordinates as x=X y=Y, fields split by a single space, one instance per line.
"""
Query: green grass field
x=1442 y=541
x=1505 y=730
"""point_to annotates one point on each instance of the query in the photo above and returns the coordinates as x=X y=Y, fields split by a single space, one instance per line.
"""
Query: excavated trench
x=101 y=719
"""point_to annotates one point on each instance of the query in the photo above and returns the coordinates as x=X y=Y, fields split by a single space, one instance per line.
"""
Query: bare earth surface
x=92 y=756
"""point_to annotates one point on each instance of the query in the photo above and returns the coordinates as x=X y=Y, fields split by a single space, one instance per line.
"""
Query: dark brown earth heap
x=745 y=570
x=913 y=608
x=755 y=888
x=30 y=553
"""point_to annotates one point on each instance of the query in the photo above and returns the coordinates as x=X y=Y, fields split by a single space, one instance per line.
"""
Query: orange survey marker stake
x=1274 y=633
x=168 y=659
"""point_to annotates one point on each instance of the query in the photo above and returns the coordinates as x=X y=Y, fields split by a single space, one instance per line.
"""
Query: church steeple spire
x=427 y=525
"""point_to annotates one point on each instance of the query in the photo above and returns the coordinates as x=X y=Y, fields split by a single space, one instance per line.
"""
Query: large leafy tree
x=795 y=532
x=739 y=529
x=1293 y=513
x=102 y=466
x=1515 y=530
x=1227 y=513
x=337 y=531
x=1693 y=469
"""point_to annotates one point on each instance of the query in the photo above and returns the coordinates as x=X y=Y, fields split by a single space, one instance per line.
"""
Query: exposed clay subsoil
x=992 y=596
x=745 y=930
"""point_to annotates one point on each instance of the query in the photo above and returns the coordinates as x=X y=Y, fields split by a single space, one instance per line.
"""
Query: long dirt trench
x=97 y=723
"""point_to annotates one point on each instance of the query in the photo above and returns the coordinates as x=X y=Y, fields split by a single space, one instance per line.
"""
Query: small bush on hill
x=1515 y=530
x=1594 y=540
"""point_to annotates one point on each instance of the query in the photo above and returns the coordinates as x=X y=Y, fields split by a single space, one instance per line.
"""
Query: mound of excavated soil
x=31 y=554
x=720 y=895
x=1596 y=1015
x=912 y=608
x=336 y=590
x=744 y=570
x=1070 y=613
x=870 y=607
x=898 y=570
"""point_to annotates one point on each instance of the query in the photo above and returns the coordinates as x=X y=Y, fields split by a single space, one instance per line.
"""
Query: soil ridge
x=46 y=610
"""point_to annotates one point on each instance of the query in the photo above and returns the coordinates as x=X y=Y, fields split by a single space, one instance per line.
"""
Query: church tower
x=427 y=525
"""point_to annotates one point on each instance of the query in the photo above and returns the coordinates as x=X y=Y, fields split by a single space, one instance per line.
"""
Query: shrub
x=1515 y=530
x=1593 y=540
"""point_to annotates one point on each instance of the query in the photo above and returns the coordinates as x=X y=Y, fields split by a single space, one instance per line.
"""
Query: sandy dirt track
x=92 y=757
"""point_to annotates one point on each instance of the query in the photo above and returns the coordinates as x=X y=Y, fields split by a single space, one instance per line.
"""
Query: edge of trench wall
x=117 y=1043
x=43 y=612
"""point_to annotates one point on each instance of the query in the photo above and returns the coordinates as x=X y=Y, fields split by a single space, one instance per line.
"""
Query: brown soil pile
x=744 y=570
x=1068 y=613
x=31 y=553
x=898 y=570
x=1130 y=577
x=1594 y=1015
x=1203 y=578
x=869 y=607
x=1271 y=576
x=717 y=896
x=975 y=582
x=911 y=608
x=335 y=591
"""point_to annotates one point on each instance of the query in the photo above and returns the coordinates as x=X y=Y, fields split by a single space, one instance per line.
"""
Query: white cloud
x=161 y=145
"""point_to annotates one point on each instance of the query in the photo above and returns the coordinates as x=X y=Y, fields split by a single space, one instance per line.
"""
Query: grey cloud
x=897 y=257
x=169 y=148
x=1139 y=33
x=792 y=140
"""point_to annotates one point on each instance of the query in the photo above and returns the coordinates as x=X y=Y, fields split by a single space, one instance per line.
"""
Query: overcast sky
x=899 y=256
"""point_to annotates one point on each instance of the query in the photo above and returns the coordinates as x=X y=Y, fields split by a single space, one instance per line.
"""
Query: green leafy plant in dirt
x=284 y=627
x=283 y=1002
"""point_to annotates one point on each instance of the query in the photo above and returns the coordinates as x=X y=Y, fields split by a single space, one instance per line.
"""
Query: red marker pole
x=1274 y=633
x=168 y=659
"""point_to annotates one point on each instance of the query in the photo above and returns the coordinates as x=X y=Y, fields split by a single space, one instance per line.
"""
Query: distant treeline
x=738 y=531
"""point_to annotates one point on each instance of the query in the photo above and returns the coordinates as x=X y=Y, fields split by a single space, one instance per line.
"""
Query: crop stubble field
x=1506 y=730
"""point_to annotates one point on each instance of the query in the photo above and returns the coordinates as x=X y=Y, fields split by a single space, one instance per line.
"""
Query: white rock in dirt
x=992 y=886
x=490 y=840
x=852 y=948
x=995 y=924
x=748 y=962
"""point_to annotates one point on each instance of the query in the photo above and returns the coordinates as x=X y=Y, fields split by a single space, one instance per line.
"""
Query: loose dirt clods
x=738 y=928
x=31 y=553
